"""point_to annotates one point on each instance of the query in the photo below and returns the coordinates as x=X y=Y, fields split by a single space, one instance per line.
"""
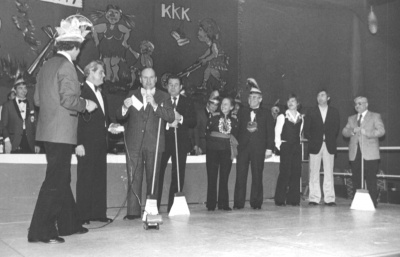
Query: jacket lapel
x=17 y=109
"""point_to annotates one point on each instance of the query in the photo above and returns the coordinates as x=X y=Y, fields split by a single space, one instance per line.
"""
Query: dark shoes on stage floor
x=211 y=209
x=225 y=208
x=331 y=204
x=132 y=217
x=280 y=204
x=56 y=240
x=85 y=222
x=107 y=220
x=293 y=204
x=237 y=208
x=313 y=204
x=256 y=207
x=82 y=230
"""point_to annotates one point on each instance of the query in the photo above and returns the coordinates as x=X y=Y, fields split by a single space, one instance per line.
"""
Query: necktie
x=97 y=88
x=359 y=120
x=22 y=101
x=174 y=102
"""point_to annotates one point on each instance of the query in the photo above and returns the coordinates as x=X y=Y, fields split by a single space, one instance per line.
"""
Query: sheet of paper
x=136 y=103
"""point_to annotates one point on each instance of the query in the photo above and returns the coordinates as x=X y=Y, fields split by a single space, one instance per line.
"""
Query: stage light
x=372 y=22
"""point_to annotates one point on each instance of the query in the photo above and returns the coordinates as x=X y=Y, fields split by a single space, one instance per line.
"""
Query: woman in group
x=288 y=129
x=221 y=150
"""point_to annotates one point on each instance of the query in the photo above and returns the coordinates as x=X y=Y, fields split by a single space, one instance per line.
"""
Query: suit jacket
x=202 y=117
x=374 y=129
x=58 y=96
x=12 y=124
x=315 y=129
x=261 y=139
x=186 y=109
x=142 y=125
x=92 y=127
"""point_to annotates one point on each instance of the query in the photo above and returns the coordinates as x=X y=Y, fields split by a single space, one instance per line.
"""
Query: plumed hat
x=214 y=97
x=73 y=28
x=254 y=88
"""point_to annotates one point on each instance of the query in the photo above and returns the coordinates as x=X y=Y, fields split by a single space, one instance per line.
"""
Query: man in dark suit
x=91 y=184
x=256 y=141
x=185 y=118
x=143 y=110
x=202 y=115
x=18 y=122
x=58 y=96
x=364 y=129
x=321 y=128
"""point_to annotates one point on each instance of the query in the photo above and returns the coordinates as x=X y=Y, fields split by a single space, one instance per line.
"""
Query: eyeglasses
x=359 y=103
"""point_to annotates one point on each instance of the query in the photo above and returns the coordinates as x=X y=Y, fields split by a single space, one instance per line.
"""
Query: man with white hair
x=58 y=96
x=364 y=130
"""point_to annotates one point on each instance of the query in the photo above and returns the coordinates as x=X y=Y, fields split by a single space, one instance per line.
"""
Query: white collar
x=91 y=85
x=66 y=55
x=363 y=114
x=144 y=91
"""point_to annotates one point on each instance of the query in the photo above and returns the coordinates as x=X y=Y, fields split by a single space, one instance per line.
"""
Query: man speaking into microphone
x=142 y=109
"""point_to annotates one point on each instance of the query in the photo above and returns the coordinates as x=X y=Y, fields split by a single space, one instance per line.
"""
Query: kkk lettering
x=174 y=12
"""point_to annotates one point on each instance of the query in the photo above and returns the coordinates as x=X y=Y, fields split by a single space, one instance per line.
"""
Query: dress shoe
x=108 y=220
x=85 y=222
x=56 y=240
x=211 y=209
x=280 y=204
x=331 y=204
x=293 y=204
x=82 y=230
x=256 y=207
x=312 y=203
x=227 y=208
x=132 y=217
x=237 y=208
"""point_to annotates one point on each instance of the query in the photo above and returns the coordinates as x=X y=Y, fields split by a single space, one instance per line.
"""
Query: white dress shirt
x=280 y=121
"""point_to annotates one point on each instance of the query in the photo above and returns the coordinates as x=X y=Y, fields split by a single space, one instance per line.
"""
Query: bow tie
x=254 y=110
x=144 y=91
x=22 y=101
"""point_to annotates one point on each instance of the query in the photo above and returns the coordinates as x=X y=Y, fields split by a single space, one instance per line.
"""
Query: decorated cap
x=73 y=28
x=18 y=82
x=214 y=97
x=254 y=88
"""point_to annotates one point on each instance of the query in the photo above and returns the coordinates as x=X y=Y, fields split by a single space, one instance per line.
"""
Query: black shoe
x=56 y=240
x=107 y=220
x=227 y=208
x=280 y=204
x=293 y=204
x=313 y=204
x=256 y=207
x=82 y=230
x=85 y=222
x=132 y=217
x=331 y=204
x=211 y=209
x=237 y=208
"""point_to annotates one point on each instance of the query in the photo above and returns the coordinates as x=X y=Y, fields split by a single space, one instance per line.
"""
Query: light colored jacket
x=374 y=129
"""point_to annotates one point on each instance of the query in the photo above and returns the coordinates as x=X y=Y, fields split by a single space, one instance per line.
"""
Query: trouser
x=288 y=185
x=246 y=157
x=137 y=164
x=314 y=184
x=55 y=212
x=371 y=168
x=218 y=161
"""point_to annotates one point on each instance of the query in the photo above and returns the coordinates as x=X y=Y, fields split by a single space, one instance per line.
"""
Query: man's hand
x=80 y=150
x=7 y=146
x=357 y=131
x=37 y=149
x=268 y=154
x=197 y=150
x=127 y=102
x=173 y=124
x=91 y=106
x=150 y=100
x=114 y=128
x=178 y=117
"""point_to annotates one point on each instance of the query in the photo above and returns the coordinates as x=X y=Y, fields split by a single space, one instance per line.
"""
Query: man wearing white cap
x=58 y=96
x=256 y=141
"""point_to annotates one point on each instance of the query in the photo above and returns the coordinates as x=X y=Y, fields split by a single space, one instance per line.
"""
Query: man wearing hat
x=57 y=95
x=18 y=122
x=256 y=141
x=202 y=116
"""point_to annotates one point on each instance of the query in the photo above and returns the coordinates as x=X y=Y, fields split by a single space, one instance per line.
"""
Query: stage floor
x=273 y=231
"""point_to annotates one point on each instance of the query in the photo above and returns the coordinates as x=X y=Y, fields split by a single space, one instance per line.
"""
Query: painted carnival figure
x=114 y=43
x=214 y=57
